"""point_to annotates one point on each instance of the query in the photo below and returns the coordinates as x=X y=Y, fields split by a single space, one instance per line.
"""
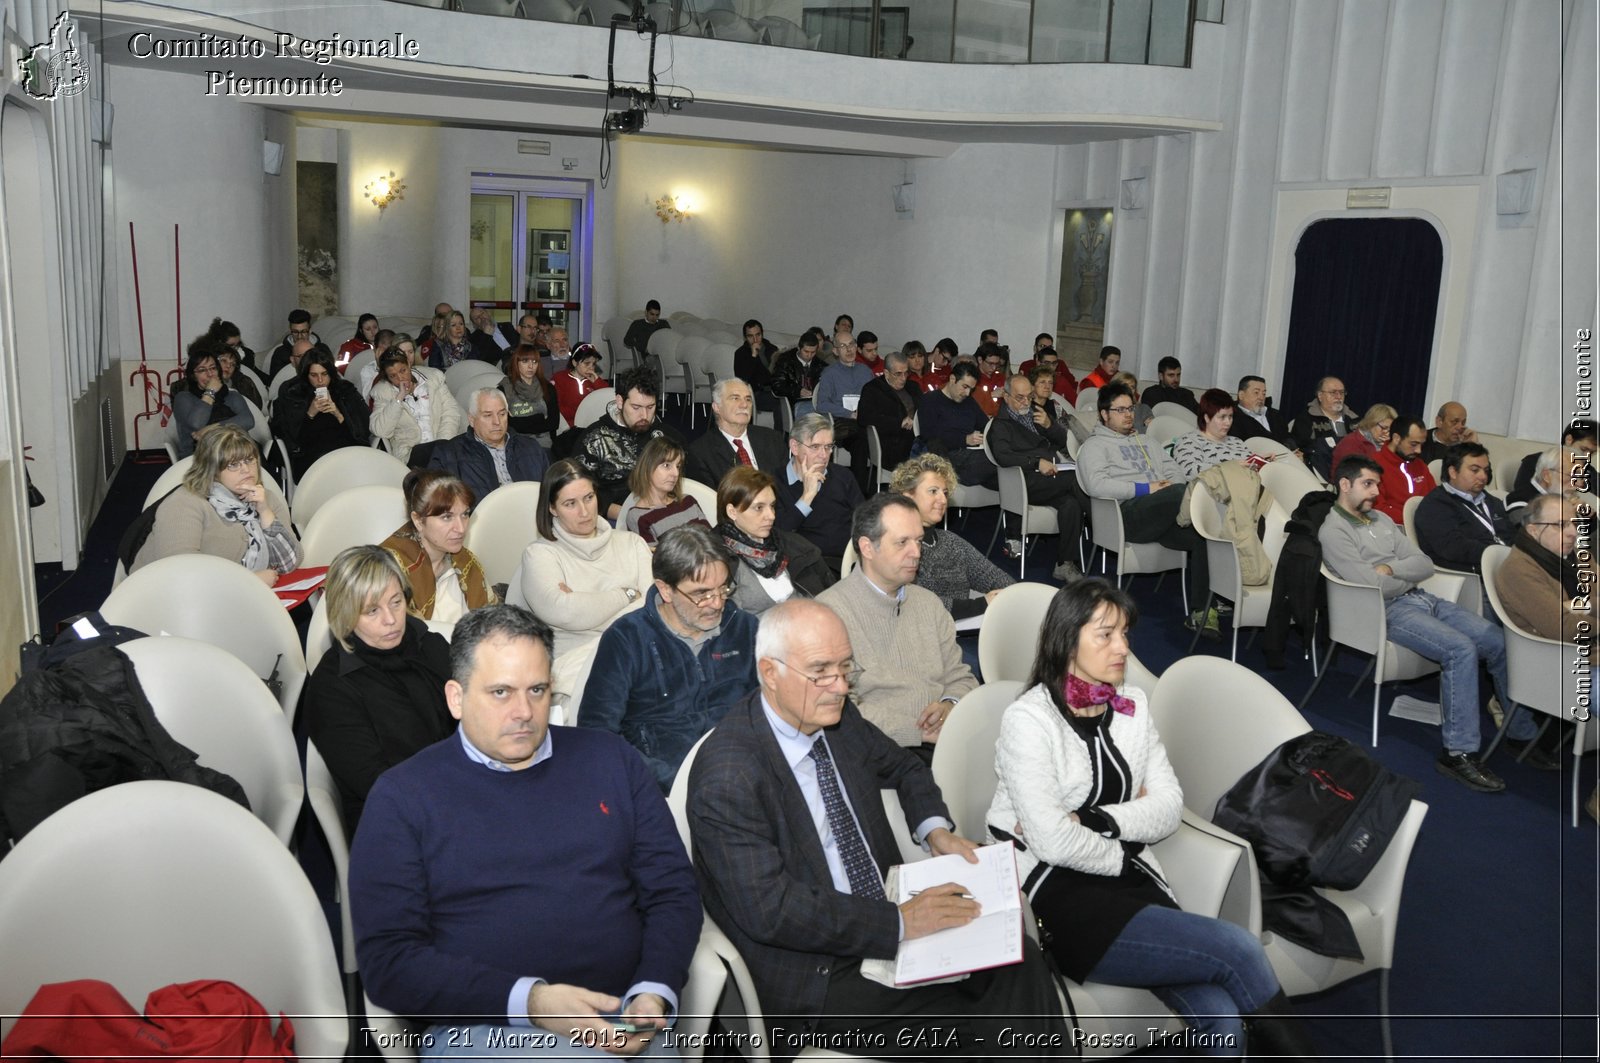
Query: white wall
x=1413 y=94
x=796 y=238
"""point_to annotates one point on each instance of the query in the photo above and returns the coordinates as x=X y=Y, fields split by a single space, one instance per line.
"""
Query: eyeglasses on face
x=240 y=464
x=1119 y=409
x=700 y=598
x=826 y=448
x=850 y=674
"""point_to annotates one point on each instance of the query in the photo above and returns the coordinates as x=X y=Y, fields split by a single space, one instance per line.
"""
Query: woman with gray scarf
x=225 y=510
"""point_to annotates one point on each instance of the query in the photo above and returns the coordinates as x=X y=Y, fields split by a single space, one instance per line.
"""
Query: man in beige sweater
x=903 y=638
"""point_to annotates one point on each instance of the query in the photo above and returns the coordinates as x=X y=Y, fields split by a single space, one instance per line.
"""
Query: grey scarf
x=267 y=547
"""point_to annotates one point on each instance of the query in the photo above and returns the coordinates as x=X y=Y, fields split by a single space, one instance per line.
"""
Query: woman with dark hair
x=530 y=398
x=1198 y=451
x=656 y=503
x=411 y=404
x=223 y=509
x=447 y=582
x=318 y=411
x=365 y=339
x=580 y=574
x=204 y=399
x=1084 y=789
x=579 y=378
x=233 y=380
x=377 y=695
x=774 y=565
x=226 y=334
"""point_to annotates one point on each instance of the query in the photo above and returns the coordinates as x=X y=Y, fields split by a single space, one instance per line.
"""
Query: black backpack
x=134 y=536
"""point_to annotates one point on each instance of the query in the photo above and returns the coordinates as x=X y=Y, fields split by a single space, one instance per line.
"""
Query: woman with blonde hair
x=1370 y=436
x=950 y=567
x=377 y=695
x=445 y=577
x=656 y=503
x=224 y=509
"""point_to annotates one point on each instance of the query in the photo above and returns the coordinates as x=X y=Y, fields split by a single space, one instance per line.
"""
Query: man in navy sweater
x=520 y=870
x=674 y=668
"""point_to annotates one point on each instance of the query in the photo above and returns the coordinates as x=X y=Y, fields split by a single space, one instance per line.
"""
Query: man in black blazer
x=805 y=908
x=709 y=457
x=890 y=405
x=1458 y=520
x=1254 y=417
x=1579 y=436
x=816 y=499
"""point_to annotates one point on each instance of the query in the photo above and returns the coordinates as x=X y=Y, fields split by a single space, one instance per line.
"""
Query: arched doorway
x=1366 y=297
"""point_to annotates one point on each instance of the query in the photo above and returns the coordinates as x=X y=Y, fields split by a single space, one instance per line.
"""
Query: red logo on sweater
x=604 y=809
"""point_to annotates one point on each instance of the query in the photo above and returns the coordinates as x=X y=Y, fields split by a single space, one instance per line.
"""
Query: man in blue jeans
x=1363 y=546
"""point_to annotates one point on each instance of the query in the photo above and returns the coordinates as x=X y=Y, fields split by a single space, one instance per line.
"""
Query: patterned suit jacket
x=763 y=876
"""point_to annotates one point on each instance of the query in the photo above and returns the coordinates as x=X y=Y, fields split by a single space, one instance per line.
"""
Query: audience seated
x=444 y=579
x=1195 y=452
x=1361 y=544
x=1022 y=436
x=1370 y=436
x=242 y=382
x=397 y=341
x=411 y=404
x=1142 y=414
x=1449 y=428
x=1254 y=417
x=1148 y=486
x=656 y=503
x=674 y=668
x=299 y=332
x=365 y=339
x=815 y=498
x=952 y=425
x=798 y=372
x=732 y=439
x=203 y=398
x=771 y=565
x=1459 y=519
x=1062 y=381
x=1404 y=472
x=318 y=412
x=796 y=880
x=223 y=510
x=1543 y=586
x=1049 y=401
x=904 y=638
x=1325 y=421
x=453 y=345
x=579 y=378
x=515 y=873
x=867 y=352
x=940 y=359
x=226 y=335
x=491 y=342
x=531 y=403
x=488 y=453
x=1169 y=386
x=754 y=362
x=1083 y=833
x=916 y=363
x=557 y=351
x=889 y=404
x=993 y=369
x=949 y=566
x=1580 y=438
x=610 y=447
x=838 y=395
x=427 y=339
x=377 y=695
x=637 y=338
x=579 y=574
x=1105 y=368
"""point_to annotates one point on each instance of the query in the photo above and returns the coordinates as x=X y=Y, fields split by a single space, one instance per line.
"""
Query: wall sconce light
x=675 y=208
x=385 y=190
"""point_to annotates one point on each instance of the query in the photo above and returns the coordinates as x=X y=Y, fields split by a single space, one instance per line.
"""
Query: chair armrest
x=1380 y=890
x=1199 y=866
x=1241 y=902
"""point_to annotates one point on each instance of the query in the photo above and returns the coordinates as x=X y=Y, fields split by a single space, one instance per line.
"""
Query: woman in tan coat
x=446 y=579
x=225 y=510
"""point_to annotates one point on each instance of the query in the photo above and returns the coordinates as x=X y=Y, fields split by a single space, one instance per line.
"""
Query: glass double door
x=527 y=250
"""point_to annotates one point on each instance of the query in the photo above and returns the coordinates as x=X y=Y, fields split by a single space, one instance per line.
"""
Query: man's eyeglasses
x=826 y=448
x=701 y=598
x=851 y=675
x=1119 y=409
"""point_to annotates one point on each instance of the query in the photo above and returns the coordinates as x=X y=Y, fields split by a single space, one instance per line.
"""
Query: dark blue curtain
x=1366 y=293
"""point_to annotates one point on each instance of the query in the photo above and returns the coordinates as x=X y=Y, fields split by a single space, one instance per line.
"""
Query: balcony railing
x=1144 y=32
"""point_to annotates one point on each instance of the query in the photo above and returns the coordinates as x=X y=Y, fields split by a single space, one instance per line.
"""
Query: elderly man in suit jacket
x=791 y=844
x=732 y=439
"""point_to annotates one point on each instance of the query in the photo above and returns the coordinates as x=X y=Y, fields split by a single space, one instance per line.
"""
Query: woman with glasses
x=445 y=579
x=224 y=509
x=770 y=564
x=1370 y=436
x=1084 y=789
x=233 y=380
x=580 y=574
x=377 y=695
x=1195 y=452
x=204 y=398
x=656 y=503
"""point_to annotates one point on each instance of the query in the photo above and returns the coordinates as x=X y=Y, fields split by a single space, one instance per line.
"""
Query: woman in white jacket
x=1084 y=788
x=580 y=574
x=411 y=405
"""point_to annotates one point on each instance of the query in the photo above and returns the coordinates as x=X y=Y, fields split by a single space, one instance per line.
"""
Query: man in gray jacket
x=1362 y=545
x=1148 y=486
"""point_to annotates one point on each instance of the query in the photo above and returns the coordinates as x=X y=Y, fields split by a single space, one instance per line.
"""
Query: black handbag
x=1318 y=811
